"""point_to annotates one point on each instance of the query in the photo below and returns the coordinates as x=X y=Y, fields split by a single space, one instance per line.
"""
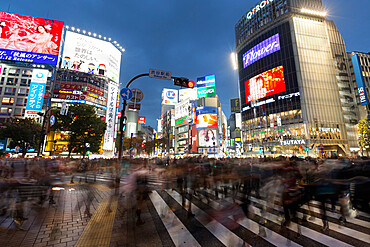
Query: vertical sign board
x=37 y=90
x=360 y=80
x=110 y=117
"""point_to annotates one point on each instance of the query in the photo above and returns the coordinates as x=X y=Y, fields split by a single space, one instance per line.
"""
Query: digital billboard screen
x=29 y=39
x=206 y=81
x=206 y=121
x=265 y=84
x=91 y=55
x=207 y=138
x=261 y=50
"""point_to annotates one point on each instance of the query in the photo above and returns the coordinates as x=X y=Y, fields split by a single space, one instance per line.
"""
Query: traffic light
x=124 y=123
x=183 y=82
x=88 y=152
x=143 y=145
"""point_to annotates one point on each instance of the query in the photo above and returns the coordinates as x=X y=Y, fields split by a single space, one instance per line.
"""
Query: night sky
x=190 y=38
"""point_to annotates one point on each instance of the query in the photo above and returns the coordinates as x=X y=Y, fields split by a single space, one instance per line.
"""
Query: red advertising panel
x=29 y=39
x=265 y=84
x=206 y=121
x=141 y=120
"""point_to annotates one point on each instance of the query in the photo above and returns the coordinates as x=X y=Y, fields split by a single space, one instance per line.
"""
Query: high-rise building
x=295 y=89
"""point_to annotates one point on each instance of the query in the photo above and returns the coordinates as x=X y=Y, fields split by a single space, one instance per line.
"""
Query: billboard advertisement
x=261 y=50
x=206 y=92
x=110 y=117
x=37 y=90
x=170 y=96
x=207 y=138
x=265 y=84
x=206 y=110
x=29 y=39
x=188 y=93
x=360 y=80
x=206 y=81
x=206 y=121
x=91 y=55
x=182 y=109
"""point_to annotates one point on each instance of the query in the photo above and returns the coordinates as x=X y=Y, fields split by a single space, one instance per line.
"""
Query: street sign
x=17 y=148
x=159 y=74
x=126 y=93
x=141 y=120
x=134 y=106
x=52 y=120
x=137 y=95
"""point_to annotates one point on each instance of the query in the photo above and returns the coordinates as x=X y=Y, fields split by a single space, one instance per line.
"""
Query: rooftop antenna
x=8 y=7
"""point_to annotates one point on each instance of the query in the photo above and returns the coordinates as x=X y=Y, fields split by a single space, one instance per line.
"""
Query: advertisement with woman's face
x=207 y=138
x=29 y=39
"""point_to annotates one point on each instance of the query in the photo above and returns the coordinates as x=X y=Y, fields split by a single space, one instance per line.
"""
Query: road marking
x=99 y=229
x=178 y=232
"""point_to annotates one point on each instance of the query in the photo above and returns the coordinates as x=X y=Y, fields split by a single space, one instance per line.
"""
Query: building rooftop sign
x=258 y=7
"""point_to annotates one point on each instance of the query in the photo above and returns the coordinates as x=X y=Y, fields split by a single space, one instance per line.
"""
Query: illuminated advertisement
x=29 y=39
x=181 y=121
x=360 y=80
x=263 y=49
x=206 y=121
x=182 y=109
x=91 y=55
x=188 y=93
x=207 y=138
x=110 y=117
x=169 y=96
x=37 y=90
x=265 y=84
x=206 y=81
x=206 y=110
x=204 y=92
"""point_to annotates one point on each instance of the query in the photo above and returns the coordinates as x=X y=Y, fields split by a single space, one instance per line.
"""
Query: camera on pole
x=183 y=82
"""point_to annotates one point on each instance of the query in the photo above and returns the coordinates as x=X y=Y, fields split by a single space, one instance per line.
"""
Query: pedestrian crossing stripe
x=228 y=237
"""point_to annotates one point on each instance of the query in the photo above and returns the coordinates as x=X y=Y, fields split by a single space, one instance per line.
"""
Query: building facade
x=294 y=81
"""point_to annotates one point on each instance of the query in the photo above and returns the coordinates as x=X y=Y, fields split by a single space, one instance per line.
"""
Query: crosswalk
x=218 y=222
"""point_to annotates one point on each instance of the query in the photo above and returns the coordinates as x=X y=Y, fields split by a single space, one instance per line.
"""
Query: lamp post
x=42 y=134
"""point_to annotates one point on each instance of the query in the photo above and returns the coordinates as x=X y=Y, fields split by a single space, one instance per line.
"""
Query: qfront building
x=295 y=91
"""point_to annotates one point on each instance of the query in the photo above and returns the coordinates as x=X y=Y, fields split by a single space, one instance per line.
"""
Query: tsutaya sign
x=261 y=50
x=258 y=7
x=292 y=142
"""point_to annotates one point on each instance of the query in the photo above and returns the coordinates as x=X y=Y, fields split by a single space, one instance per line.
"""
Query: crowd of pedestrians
x=288 y=183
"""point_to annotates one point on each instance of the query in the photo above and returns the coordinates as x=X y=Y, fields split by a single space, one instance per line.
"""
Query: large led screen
x=206 y=121
x=91 y=55
x=29 y=39
x=265 y=84
x=207 y=138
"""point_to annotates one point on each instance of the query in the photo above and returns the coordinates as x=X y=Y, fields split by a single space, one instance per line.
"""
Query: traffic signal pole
x=178 y=81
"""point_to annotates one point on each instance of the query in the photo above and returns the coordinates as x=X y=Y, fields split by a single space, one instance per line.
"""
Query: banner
x=37 y=91
x=110 y=117
x=360 y=80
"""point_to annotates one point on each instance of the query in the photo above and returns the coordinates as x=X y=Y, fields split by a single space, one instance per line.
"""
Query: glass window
x=18 y=111
x=4 y=110
x=7 y=100
x=21 y=91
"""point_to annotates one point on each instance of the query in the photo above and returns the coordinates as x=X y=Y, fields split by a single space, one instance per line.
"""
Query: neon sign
x=261 y=50
x=258 y=7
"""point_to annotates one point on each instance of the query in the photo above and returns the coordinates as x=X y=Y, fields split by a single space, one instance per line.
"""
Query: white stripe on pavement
x=178 y=232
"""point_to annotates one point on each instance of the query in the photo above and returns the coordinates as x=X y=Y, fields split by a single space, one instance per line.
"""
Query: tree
x=24 y=133
x=364 y=134
x=86 y=129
